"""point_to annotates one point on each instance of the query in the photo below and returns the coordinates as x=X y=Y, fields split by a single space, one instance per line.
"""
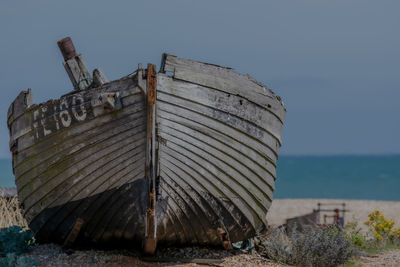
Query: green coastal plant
x=321 y=246
x=381 y=227
x=382 y=234
x=353 y=231
x=15 y=239
x=276 y=247
x=314 y=246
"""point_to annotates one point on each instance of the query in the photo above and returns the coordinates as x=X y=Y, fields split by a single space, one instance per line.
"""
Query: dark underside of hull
x=116 y=215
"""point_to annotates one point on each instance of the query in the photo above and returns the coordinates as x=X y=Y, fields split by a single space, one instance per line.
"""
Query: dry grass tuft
x=11 y=213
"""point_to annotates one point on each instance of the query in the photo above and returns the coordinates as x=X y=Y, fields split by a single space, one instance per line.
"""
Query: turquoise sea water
x=6 y=174
x=350 y=177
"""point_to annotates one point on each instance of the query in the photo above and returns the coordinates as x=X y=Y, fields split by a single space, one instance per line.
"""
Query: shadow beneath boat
x=115 y=217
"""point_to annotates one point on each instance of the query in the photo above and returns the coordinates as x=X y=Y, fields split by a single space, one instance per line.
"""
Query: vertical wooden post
x=74 y=65
x=150 y=242
x=99 y=78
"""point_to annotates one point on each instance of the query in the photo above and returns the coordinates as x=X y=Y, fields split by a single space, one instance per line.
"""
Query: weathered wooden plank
x=58 y=225
x=22 y=102
x=241 y=144
x=206 y=122
x=72 y=143
x=46 y=158
x=15 y=123
x=60 y=173
x=150 y=241
x=172 y=218
x=81 y=167
x=79 y=185
x=167 y=229
x=78 y=72
x=99 y=78
x=186 y=174
x=247 y=169
x=116 y=175
x=77 y=167
x=219 y=118
x=220 y=78
x=123 y=216
x=175 y=205
x=226 y=173
x=54 y=115
x=236 y=193
x=107 y=213
x=261 y=166
x=211 y=186
x=232 y=168
x=200 y=216
x=31 y=147
x=48 y=118
x=73 y=139
x=102 y=204
x=235 y=105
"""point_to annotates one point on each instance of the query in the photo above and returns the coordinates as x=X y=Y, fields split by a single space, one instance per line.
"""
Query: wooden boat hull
x=82 y=161
x=219 y=134
x=195 y=165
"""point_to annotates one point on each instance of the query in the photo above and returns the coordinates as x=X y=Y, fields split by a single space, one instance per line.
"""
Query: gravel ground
x=54 y=255
x=390 y=258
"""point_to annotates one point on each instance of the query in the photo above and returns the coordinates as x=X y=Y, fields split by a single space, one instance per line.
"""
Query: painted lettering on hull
x=56 y=115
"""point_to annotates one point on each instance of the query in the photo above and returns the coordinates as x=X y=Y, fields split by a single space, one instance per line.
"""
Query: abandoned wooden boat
x=183 y=156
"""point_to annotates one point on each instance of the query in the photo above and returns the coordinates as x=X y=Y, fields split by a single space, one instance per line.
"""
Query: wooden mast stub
x=75 y=65
x=67 y=48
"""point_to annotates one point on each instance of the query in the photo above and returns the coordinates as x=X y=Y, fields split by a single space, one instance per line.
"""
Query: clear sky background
x=336 y=64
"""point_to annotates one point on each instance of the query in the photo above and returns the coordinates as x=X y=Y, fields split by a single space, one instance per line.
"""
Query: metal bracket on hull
x=142 y=84
x=150 y=241
x=224 y=237
x=69 y=241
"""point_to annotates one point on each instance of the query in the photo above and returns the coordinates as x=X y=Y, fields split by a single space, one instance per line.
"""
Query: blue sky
x=335 y=63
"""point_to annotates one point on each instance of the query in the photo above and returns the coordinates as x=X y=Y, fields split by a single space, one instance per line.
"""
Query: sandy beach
x=283 y=209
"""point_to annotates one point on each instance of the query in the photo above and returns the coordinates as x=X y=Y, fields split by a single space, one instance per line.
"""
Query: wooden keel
x=150 y=242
